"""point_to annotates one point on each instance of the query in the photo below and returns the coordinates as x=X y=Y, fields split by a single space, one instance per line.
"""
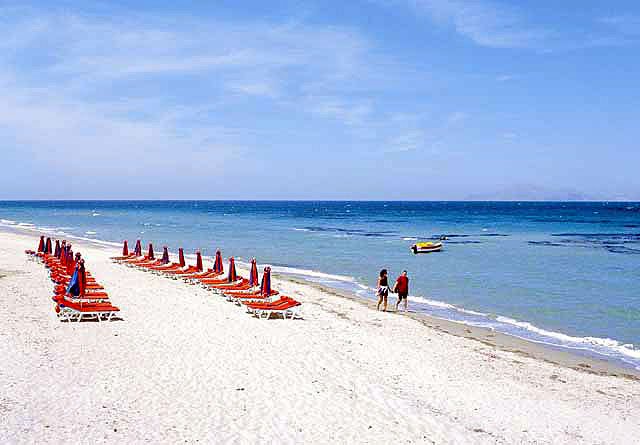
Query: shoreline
x=527 y=348
x=505 y=342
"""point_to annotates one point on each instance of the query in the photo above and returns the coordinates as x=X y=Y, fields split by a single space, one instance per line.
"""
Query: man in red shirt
x=402 y=289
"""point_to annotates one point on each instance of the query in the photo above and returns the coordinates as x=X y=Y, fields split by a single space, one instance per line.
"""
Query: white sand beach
x=184 y=365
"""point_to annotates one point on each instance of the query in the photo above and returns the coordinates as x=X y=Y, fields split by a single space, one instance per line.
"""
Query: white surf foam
x=7 y=221
x=434 y=303
x=624 y=349
x=312 y=274
x=90 y=233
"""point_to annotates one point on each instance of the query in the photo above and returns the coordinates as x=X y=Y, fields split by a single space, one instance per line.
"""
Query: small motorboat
x=427 y=247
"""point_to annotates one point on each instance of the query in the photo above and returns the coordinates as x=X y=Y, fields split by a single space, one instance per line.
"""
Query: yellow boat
x=427 y=247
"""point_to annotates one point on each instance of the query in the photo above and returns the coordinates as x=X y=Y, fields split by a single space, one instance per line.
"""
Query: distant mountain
x=526 y=192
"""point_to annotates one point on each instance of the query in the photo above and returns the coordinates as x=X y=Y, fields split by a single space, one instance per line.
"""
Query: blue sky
x=378 y=99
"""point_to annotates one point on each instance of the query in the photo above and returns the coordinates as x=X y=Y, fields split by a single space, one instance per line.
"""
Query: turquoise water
x=565 y=274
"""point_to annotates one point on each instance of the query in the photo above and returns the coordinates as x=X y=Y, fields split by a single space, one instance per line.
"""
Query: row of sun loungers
x=253 y=294
x=76 y=293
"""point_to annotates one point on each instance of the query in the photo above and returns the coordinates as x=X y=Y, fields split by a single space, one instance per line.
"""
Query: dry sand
x=184 y=365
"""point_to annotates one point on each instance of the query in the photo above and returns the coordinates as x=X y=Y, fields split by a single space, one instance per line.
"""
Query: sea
x=563 y=274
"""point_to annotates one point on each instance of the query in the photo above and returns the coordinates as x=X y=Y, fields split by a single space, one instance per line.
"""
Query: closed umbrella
x=74 y=284
x=165 y=255
x=150 y=255
x=253 y=273
x=63 y=252
x=199 y=261
x=125 y=249
x=265 y=286
x=83 y=278
x=217 y=264
x=70 y=263
x=232 y=276
x=41 y=244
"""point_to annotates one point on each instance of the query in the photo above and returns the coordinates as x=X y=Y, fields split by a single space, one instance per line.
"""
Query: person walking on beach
x=383 y=289
x=402 y=289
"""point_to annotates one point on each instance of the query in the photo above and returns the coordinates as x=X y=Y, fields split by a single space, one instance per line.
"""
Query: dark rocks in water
x=600 y=235
x=352 y=232
x=545 y=243
x=612 y=242
x=622 y=249
x=459 y=235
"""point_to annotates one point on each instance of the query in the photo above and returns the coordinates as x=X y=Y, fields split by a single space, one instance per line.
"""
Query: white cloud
x=254 y=88
x=104 y=94
x=456 y=117
x=485 y=23
x=409 y=141
x=494 y=24
x=59 y=132
x=105 y=85
x=350 y=113
x=625 y=24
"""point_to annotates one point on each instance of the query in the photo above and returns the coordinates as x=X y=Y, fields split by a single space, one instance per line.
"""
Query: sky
x=366 y=99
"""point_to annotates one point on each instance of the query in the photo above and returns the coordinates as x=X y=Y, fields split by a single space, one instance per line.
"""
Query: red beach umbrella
x=265 y=286
x=68 y=256
x=253 y=274
x=125 y=249
x=138 y=249
x=181 y=257
x=41 y=244
x=199 y=261
x=217 y=265
x=56 y=252
x=70 y=263
x=232 y=271
x=150 y=254
x=82 y=275
x=165 y=255
x=48 y=250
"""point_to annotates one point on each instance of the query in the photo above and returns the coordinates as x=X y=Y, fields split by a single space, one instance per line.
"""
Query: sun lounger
x=242 y=284
x=159 y=270
x=256 y=293
x=180 y=272
x=209 y=274
x=287 y=307
x=246 y=298
x=124 y=257
x=70 y=310
x=86 y=298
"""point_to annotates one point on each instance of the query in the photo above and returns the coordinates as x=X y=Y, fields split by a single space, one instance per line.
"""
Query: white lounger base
x=67 y=314
x=293 y=312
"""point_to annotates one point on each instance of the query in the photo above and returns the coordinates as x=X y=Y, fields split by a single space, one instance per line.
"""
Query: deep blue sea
x=564 y=274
